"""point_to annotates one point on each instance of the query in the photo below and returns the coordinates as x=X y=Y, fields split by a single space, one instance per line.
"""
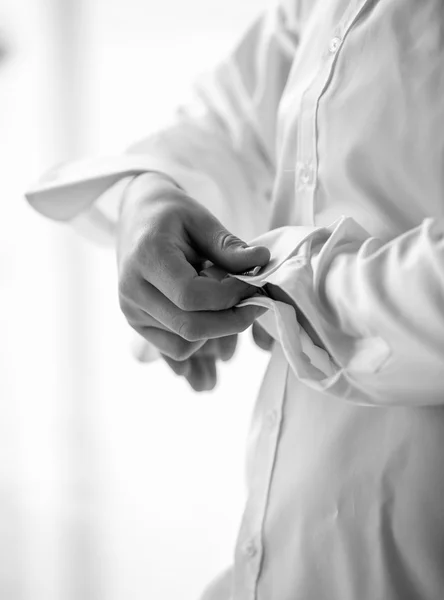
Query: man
x=321 y=134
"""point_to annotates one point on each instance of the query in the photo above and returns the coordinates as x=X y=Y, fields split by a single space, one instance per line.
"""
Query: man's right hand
x=164 y=240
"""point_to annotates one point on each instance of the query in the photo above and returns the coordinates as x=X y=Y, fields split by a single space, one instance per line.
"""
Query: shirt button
x=306 y=174
x=250 y=549
x=271 y=418
x=334 y=45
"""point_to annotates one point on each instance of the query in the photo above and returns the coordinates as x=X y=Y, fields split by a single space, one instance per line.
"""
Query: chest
x=361 y=120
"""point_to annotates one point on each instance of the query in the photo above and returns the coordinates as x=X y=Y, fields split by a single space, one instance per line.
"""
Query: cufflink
x=251 y=272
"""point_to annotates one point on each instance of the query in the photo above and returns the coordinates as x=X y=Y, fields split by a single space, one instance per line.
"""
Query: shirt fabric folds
x=321 y=136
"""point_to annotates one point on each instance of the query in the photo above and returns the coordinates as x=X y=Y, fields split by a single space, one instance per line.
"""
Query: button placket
x=272 y=418
x=250 y=546
x=305 y=174
x=307 y=142
x=249 y=550
x=333 y=47
x=307 y=160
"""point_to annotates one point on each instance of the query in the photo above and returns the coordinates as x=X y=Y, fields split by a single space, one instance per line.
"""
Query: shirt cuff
x=72 y=188
x=300 y=257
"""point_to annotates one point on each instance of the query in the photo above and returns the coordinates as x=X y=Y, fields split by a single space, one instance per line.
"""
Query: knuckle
x=145 y=249
x=188 y=330
x=182 y=327
x=186 y=300
x=224 y=239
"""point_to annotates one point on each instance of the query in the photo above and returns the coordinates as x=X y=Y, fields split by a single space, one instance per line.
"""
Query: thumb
x=226 y=250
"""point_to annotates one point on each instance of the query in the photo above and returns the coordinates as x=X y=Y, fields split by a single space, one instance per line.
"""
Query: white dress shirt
x=322 y=133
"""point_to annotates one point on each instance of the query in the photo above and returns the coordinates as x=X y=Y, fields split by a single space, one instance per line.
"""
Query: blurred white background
x=116 y=481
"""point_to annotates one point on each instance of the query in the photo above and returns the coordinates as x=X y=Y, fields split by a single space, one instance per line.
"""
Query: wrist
x=146 y=186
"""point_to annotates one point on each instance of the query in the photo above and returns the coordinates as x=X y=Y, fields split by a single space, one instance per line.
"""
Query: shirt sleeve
x=377 y=307
x=219 y=147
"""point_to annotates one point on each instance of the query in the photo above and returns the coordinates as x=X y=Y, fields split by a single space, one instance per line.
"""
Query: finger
x=227 y=347
x=215 y=325
x=202 y=375
x=195 y=326
x=261 y=337
x=210 y=364
x=224 y=249
x=171 y=273
x=170 y=344
x=219 y=348
x=179 y=367
x=209 y=348
x=154 y=332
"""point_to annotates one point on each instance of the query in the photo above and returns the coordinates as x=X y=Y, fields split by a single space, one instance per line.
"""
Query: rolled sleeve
x=219 y=146
x=378 y=309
